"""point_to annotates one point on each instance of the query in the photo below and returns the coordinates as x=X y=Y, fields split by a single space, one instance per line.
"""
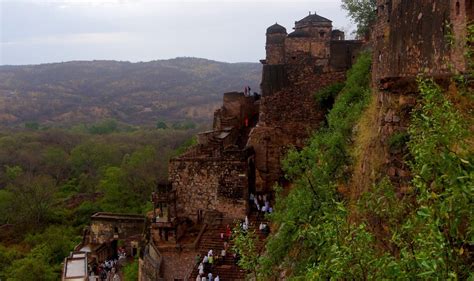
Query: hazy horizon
x=54 y=31
x=125 y=61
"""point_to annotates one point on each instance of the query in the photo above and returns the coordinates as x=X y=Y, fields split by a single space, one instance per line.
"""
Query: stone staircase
x=226 y=268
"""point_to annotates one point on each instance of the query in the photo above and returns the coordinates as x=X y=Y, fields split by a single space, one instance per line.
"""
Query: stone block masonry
x=420 y=43
x=297 y=65
x=107 y=227
x=211 y=184
x=215 y=175
x=411 y=38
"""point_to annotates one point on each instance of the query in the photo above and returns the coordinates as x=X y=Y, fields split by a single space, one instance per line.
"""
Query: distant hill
x=134 y=93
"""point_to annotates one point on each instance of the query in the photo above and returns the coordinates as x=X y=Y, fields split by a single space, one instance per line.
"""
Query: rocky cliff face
x=287 y=118
x=410 y=38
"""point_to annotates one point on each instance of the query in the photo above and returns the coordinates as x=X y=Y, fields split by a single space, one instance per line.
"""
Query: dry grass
x=464 y=103
x=368 y=154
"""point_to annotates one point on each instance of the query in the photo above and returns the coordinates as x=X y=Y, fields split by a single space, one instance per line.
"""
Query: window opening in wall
x=458 y=8
x=322 y=33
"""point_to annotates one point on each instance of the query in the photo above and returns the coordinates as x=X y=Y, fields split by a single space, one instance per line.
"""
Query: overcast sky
x=43 y=31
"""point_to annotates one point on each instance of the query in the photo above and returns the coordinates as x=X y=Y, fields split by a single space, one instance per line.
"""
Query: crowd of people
x=207 y=265
x=260 y=203
x=106 y=271
x=248 y=93
x=109 y=269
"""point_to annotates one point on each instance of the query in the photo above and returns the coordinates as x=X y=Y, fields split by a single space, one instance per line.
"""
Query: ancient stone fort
x=210 y=184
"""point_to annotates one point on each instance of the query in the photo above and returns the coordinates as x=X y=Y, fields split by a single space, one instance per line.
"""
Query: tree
x=34 y=197
x=161 y=125
x=130 y=271
x=34 y=126
x=362 y=12
x=140 y=169
x=55 y=162
x=245 y=247
x=34 y=267
x=57 y=240
x=104 y=127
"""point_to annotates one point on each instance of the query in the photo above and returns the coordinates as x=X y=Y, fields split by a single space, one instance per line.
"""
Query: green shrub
x=130 y=271
x=325 y=97
x=398 y=140
x=313 y=233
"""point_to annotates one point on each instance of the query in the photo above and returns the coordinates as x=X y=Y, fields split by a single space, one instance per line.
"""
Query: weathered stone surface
x=297 y=65
x=287 y=119
x=215 y=175
x=107 y=227
x=423 y=31
x=211 y=184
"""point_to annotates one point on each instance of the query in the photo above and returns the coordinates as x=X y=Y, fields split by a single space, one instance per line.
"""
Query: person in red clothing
x=228 y=232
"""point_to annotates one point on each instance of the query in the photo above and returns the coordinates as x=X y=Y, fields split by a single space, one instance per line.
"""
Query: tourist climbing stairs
x=211 y=239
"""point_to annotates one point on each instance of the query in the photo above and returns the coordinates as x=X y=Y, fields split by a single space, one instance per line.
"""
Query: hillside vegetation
x=321 y=233
x=52 y=181
x=142 y=93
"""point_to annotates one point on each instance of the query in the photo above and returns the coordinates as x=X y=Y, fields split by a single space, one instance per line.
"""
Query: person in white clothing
x=217 y=278
x=245 y=227
x=201 y=268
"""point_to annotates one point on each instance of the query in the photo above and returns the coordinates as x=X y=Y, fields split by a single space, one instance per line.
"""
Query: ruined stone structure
x=403 y=49
x=108 y=227
x=209 y=185
x=170 y=225
x=242 y=153
x=101 y=239
x=297 y=65
x=216 y=175
x=209 y=182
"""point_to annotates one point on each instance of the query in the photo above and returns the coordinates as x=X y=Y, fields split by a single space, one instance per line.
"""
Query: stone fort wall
x=211 y=184
x=106 y=227
x=403 y=49
x=287 y=119
x=419 y=42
